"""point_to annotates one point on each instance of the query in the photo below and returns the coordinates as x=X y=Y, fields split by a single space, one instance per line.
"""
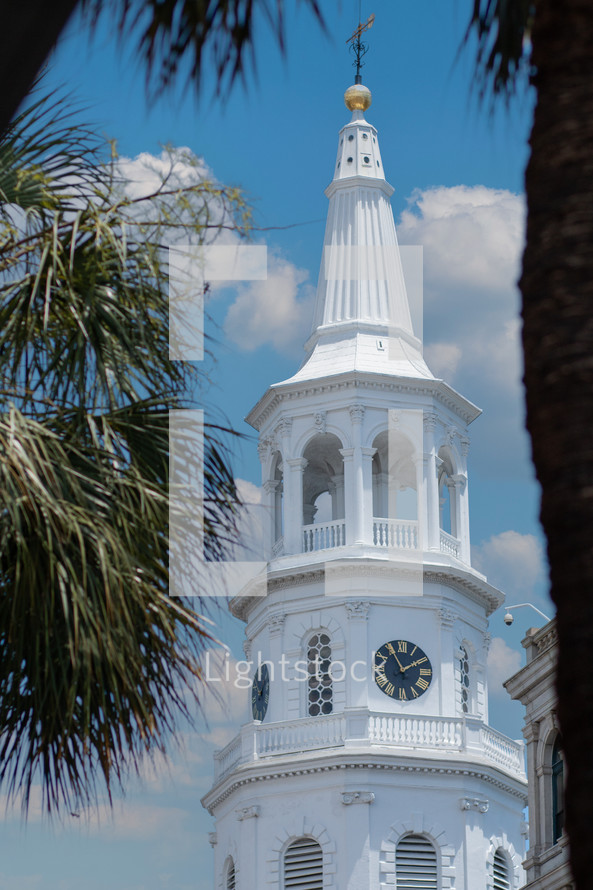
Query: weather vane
x=358 y=47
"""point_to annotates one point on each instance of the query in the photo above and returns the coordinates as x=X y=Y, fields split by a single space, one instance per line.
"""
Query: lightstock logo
x=240 y=674
x=191 y=574
x=386 y=482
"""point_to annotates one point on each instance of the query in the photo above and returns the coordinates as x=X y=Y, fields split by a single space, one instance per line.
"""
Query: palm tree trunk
x=557 y=287
x=30 y=30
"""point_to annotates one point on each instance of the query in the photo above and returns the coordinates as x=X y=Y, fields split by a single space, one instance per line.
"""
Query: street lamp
x=508 y=618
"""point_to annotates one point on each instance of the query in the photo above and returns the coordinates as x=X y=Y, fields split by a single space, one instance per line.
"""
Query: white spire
x=361 y=294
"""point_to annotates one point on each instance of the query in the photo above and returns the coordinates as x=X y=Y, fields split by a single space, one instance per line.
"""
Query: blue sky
x=458 y=173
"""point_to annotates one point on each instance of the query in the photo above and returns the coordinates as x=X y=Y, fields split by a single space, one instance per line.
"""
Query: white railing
x=324 y=535
x=300 y=735
x=501 y=750
x=440 y=732
x=227 y=758
x=401 y=534
x=356 y=727
x=278 y=548
x=449 y=544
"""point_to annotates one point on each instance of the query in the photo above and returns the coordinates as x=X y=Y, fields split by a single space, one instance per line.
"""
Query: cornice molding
x=457 y=579
x=280 y=393
x=227 y=785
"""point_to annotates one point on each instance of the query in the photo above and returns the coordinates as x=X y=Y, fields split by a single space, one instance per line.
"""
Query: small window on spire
x=350 y=137
x=349 y=160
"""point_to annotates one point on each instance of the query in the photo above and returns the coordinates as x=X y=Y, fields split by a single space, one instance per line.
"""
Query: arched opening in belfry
x=447 y=495
x=323 y=480
x=278 y=507
x=394 y=477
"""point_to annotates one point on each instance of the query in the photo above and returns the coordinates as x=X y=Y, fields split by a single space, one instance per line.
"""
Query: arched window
x=303 y=865
x=415 y=864
x=500 y=871
x=319 y=687
x=323 y=473
x=464 y=680
x=557 y=791
x=394 y=477
x=230 y=881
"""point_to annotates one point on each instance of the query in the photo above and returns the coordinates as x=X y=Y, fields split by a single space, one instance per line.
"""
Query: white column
x=464 y=507
x=357 y=678
x=432 y=528
x=358 y=528
x=350 y=507
x=421 y=504
x=248 y=862
x=356 y=863
x=293 y=501
x=277 y=709
x=338 y=511
x=460 y=515
x=272 y=531
x=367 y=494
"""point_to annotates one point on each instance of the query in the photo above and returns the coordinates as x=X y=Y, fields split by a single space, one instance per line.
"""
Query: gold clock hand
x=399 y=662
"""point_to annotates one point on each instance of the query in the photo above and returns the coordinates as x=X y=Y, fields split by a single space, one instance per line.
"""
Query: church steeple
x=361 y=293
x=369 y=762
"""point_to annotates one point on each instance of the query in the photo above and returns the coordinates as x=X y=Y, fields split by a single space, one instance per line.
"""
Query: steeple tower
x=361 y=293
x=369 y=763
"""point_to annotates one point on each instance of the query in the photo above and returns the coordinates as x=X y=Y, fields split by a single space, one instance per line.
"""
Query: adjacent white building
x=547 y=864
x=370 y=762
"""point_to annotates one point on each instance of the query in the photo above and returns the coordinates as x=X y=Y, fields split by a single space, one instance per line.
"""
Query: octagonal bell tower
x=369 y=762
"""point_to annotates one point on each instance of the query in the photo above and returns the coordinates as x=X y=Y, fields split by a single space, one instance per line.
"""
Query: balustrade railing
x=449 y=544
x=228 y=757
x=416 y=731
x=278 y=548
x=324 y=535
x=358 y=727
x=502 y=750
x=300 y=735
x=400 y=534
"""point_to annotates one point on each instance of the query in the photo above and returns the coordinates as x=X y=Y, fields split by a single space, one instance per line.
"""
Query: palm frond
x=97 y=661
x=175 y=36
x=502 y=29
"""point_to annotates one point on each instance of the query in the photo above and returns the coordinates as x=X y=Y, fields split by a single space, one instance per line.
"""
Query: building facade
x=369 y=762
x=547 y=864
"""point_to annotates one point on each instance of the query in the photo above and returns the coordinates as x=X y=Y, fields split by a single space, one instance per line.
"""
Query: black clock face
x=402 y=670
x=260 y=692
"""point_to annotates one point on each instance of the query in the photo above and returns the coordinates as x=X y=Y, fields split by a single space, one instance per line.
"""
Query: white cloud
x=144 y=174
x=472 y=236
x=511 y=561
x=442 y=358
x=503 y=662
x=275 y=312
x=472 y=239
x=251 y=523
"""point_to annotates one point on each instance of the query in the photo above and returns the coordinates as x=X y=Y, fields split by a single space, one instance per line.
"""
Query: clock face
x=260 y=692
x=402 y=670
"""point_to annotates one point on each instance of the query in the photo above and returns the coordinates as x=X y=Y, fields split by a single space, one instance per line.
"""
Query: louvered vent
x=501 y=872
x=303 y=865
x=230 y=877
x=415 y=864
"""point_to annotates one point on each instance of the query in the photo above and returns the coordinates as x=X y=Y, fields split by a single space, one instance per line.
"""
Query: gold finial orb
x=358 y=97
